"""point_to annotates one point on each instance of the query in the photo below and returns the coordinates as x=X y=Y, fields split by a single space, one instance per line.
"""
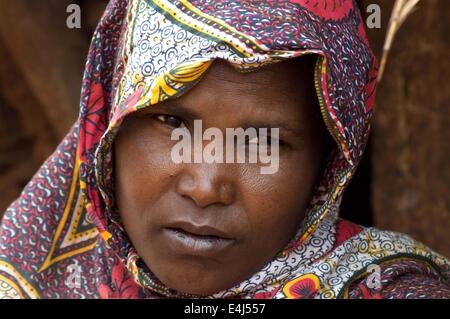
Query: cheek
x=143 y=171
x=275 y=204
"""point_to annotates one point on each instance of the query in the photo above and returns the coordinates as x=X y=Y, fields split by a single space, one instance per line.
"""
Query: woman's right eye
x=170 y=120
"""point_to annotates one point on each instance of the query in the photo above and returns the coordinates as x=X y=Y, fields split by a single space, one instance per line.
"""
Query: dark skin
x=259 y=214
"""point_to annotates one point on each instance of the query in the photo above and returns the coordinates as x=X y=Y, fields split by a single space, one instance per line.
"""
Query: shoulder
x=405 y=278
x=392 y=265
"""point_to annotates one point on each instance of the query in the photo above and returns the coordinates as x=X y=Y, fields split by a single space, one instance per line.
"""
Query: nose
x=207 y=184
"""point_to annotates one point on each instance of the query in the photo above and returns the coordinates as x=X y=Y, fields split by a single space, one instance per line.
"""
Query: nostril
x=205 y=187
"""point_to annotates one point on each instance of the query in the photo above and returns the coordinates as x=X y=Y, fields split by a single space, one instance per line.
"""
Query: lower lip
x=189 y=244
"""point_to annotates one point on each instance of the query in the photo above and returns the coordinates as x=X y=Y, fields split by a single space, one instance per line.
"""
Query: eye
x=170 y=120
x=254 y=140
x=270 y=139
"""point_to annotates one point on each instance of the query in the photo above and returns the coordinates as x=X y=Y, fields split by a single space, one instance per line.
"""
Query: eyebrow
x=182 y=111
x=283 y=126
x=176 y=109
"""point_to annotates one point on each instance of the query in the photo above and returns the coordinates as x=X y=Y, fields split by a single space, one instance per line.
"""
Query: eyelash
x=164 y=118
x=281 y=143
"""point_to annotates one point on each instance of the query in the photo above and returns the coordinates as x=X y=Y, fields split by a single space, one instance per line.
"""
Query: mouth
x=189 y=239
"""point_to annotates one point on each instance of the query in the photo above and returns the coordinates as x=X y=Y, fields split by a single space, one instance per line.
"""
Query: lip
x=189 y=239
x=199 y=230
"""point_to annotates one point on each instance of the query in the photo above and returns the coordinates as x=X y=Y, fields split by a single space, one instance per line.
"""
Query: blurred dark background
x=403 y=181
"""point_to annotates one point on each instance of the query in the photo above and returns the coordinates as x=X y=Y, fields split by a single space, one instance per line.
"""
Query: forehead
x=279 y=74
x=279 y=87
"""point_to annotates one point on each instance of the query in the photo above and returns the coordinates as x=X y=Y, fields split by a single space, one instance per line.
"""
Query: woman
x=111 y=215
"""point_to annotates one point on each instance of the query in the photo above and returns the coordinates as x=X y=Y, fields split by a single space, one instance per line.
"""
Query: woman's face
x=200 y=227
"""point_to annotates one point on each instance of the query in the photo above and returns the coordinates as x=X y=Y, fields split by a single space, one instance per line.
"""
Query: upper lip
x=199 y=230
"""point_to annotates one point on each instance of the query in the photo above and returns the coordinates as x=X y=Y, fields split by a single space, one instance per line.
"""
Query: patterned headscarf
x=63 y=237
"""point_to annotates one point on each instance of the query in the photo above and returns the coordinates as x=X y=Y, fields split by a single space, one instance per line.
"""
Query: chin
x=195 y=278
x=199 y=285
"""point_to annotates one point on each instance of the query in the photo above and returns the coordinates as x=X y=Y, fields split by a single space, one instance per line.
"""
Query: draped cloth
x=62 y=238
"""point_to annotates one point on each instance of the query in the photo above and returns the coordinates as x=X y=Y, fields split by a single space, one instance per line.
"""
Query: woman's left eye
x=170 y=120
x=268 y=139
